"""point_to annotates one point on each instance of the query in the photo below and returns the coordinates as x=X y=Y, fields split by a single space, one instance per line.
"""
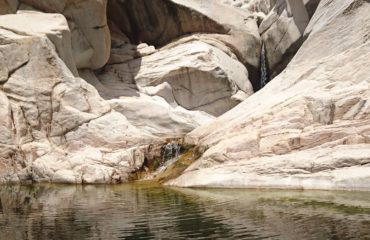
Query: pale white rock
x=232 y=26
x=279 y=38
x=54 y=26
x=255 y=6
x=154 y=115
x=65 y=176
x=145 y=50
x=6 y=124
x=88 y=23
x=202 y=77
x=77 y=103
x=163 y=90
x=282 y=31
x=309 y=127
x=55 y=127
x=111 y=129
x=343 y=167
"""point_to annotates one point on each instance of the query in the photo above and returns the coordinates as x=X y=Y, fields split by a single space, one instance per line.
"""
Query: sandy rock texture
x=309 y=127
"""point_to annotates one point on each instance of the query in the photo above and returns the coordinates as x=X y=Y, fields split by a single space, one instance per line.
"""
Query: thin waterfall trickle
x=171 y=150
x=263 y=64
x=170 y=154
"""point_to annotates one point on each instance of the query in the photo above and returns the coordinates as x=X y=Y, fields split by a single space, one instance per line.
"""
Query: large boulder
x=160 y=22
x=54 y=26
x=191 y=73
x=88 y=23
x=309 y=127
x=155 y=116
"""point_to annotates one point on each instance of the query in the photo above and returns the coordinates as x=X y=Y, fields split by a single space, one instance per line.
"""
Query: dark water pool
x=154 y=212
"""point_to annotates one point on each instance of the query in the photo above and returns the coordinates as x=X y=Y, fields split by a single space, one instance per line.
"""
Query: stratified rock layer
x=309 y=128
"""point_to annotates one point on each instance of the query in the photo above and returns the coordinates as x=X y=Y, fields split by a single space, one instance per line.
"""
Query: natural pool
x=138 y=211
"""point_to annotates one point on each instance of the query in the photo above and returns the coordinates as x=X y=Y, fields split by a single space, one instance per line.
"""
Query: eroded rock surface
x=160 y=22
x=193 y=74
x=308 y=128
x=282 y=31
x=88 y=23
x=55 y=127
x=143 y=81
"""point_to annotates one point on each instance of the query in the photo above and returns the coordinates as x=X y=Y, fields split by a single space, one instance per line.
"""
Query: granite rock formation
x=90 y=90
x=309 y=127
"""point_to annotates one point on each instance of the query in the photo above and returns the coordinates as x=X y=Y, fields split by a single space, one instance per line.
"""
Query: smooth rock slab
x=309 y=127
x=202 y=77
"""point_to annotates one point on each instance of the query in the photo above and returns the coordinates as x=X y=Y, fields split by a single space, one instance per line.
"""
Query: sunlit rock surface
x=197 y=75
x=309 y=127
x=54 y=126
x=87 y=21
x=57 y=127
x=88 y=88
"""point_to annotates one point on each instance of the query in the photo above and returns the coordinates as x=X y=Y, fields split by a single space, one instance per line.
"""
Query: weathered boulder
x=309 y=127
x=54 y=26
x=160 y=22
x=197 y=76
x=55 y=127
x=155 y=116
x=88 y=23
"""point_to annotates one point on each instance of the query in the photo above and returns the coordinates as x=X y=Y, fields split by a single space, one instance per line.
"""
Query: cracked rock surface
x=90 y=90
x=309 y=127
x=55 y=127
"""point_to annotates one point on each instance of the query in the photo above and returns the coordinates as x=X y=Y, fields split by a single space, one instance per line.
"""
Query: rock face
x=155 y=116
x=309 y=127
x=193 y=74
x=54 y=126
x=282 y=31
x=88 y=23
x=90 y=90
x=54 y=26
x=209 y=70
x=143 y=21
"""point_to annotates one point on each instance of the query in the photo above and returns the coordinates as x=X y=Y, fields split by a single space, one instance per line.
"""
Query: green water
x=154 y=212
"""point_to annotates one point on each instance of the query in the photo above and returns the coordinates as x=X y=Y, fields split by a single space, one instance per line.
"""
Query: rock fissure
x=14 y=70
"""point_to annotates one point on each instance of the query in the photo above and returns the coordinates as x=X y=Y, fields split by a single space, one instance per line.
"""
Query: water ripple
x=152 y=212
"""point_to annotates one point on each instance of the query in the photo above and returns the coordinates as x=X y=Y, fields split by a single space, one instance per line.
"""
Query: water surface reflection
x=153 y=212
